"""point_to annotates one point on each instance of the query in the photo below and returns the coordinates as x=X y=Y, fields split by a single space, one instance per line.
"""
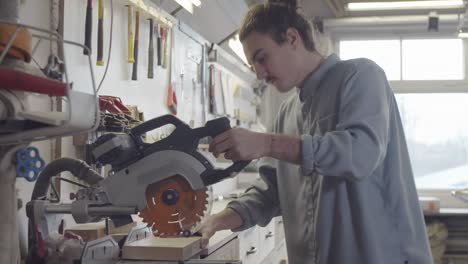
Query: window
x=432 y=59
x=437 y=136
x=411 y=59
x=386 y=53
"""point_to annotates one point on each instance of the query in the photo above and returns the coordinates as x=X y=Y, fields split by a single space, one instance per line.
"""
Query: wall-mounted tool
x=100 y=44
x=158 y=43
x=212 y=90
x=151 y=50
x=171 y=94
x=135 y=46
x=88 y=26
x=164 y=47
x=130 y=34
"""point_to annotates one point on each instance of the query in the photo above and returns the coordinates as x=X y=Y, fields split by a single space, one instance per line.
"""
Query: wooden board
x=156 y=248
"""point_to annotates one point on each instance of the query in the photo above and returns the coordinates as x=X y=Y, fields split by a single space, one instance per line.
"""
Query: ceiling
x=216 y=20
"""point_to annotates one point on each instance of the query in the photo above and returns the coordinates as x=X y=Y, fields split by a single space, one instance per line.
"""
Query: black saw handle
x=157 y=123
x=213 y=128
x=185 y=139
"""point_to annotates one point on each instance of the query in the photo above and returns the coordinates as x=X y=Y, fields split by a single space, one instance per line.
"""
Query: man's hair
x=274 y=18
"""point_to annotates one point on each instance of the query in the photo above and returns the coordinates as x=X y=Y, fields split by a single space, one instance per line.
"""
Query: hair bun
x=290 y=3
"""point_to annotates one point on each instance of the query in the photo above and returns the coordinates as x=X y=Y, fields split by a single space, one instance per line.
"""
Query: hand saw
x=166 y=180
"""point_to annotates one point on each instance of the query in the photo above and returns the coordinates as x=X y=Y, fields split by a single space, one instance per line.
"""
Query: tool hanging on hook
x=151 y=50
x=159 y=43
x=135 y=46
x=130 y=34
x=88 y=27
x=100 y=44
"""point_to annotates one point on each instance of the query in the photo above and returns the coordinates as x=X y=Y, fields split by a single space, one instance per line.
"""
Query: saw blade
x=173 y=208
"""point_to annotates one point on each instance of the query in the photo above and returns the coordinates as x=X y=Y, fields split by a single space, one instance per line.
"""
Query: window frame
x=431 y=86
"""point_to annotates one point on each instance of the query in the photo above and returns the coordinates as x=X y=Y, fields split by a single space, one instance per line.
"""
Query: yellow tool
x=100 y=61
x=130 y=34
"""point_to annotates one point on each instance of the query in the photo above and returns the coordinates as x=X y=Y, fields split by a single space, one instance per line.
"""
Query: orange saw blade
x=173 y=207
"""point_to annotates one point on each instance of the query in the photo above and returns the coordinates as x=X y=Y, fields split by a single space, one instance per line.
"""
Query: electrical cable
x=110 y=47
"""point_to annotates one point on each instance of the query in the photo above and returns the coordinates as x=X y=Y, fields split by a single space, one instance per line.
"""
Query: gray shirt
x=353 y=200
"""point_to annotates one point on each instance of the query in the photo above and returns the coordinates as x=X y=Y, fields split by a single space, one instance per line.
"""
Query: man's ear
x=293 y=37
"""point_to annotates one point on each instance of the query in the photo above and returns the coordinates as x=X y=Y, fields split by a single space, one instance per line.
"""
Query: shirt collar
x=312 y=81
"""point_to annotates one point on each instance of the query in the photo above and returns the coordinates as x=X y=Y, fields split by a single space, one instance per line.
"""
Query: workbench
x=253 y=246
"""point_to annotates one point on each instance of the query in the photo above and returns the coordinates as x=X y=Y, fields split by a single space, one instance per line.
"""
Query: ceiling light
x=402 y=5
x=463 y=33
x=187 y=4
x=236 y=46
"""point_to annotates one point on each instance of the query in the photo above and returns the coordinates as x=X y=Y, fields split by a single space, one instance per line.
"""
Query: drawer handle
x=252 y=250
x=270 y=234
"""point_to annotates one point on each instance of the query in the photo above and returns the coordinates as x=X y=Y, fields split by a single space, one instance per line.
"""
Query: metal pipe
x=392 y=22
x=387 y=20
x=92 y=210
x=9 y=10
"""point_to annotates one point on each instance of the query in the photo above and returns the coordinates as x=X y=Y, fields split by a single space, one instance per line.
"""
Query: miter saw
x=165 y=182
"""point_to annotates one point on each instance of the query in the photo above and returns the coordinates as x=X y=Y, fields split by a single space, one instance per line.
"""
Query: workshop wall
x=148 y=94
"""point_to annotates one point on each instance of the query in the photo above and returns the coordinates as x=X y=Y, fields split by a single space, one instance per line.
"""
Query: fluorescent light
x=236 y=46
x=402 y=5
x=463 y=34
x=187 y=4
x=196 y=2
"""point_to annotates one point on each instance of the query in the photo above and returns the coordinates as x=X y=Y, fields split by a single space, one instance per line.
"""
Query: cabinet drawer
x=267 y=239
x=279 y=229
x=249 y=248
x=229 y=251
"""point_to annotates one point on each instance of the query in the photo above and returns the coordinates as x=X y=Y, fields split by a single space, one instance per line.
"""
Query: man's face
x=272 y=62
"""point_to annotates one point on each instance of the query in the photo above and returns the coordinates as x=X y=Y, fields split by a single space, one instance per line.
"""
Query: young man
x=339 y=171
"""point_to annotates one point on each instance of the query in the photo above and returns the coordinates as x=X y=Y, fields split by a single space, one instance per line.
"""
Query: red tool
x=171 y=100
x=112 y=105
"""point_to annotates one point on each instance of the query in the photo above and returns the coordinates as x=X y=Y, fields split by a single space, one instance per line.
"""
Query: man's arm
x=242 y=144
x=353 y=150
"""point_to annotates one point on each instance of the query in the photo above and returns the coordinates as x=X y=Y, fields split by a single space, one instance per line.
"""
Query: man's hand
x=226 y=219
x=241 y=144
x=207 y=230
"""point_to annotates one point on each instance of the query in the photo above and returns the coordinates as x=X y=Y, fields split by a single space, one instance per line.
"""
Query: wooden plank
x=156 y=248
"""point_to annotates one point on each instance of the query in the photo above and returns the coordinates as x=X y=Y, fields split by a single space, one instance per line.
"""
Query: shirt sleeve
x=260 y=203
x=358 y=144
